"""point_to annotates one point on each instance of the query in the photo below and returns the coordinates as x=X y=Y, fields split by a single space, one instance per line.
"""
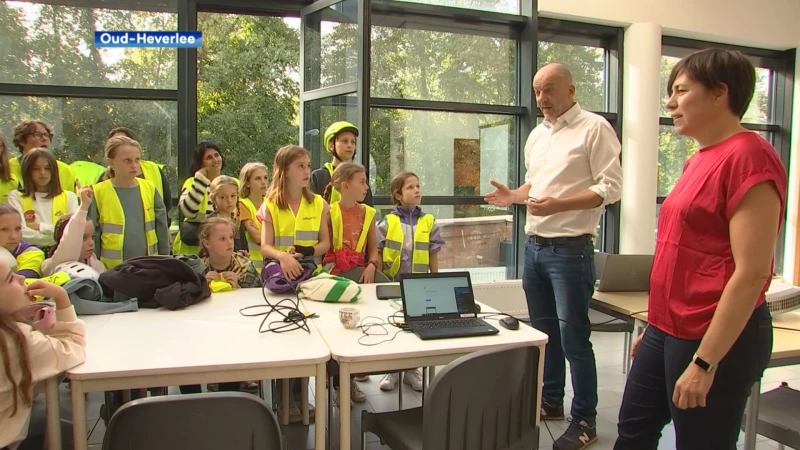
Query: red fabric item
x=344 y=260
x=693 y=258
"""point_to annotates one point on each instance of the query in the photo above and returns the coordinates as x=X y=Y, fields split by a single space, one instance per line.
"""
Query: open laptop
x=441 y=305
x=622 y=273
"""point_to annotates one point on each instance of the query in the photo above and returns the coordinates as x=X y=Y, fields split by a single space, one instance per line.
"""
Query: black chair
x=210 y=421
x=487 y=399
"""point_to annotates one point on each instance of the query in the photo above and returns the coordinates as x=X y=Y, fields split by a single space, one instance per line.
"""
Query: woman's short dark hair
x=712 y=67
x=198 y=154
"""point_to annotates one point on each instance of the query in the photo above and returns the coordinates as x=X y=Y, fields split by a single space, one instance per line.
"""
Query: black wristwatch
x=703 y=364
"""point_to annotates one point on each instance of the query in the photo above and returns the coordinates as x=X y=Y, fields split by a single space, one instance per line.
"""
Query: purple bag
x=273 y=278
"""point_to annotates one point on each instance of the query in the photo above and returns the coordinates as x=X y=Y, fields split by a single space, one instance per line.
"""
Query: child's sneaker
x=414 y=379
x=552 y=412
x=389 y=382
x=356 y=394
x=361 y=378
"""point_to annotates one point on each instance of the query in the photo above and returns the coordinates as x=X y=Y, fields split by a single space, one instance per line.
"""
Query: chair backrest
x=487 y=399
x=210 y=421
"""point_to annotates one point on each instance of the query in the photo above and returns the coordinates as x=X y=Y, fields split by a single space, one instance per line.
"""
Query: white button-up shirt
x=579 y=152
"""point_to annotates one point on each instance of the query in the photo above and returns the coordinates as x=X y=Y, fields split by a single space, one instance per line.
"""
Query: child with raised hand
x=41 y=201
x=37 y=342
x=224 y=196
x=74 y=236
x=28 y=257
x=253 y=177
x=129 y=217
x=283 y=238
x=8 y=181
x=340 y=141
x=409 y=241
x=354 y=250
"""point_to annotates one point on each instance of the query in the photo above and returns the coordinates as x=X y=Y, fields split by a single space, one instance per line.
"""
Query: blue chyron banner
x=148 y=39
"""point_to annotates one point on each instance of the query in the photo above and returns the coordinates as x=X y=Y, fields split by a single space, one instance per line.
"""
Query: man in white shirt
x=573 y=172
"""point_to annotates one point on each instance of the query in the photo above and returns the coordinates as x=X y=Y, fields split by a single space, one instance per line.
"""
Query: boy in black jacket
x=340 y=140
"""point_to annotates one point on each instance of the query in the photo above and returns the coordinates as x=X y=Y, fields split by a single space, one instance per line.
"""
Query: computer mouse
x=509 y=323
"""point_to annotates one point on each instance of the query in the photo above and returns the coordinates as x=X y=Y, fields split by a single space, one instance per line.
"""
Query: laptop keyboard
x=454 y=323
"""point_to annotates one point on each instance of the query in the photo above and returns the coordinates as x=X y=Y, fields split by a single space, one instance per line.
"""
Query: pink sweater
x=69 y=248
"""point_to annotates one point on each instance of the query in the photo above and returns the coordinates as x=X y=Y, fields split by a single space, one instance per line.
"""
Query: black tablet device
x=389 y=291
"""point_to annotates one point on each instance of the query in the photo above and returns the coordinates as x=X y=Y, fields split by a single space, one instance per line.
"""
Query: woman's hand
x=231 y=278
x=368 y=275
x=211 y=276
x=86 y=194
x=289 y=265
x=692 y=387
x=49 y=290
x=635 y=345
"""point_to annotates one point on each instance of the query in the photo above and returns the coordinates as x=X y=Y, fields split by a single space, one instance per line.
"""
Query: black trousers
x=660 y=361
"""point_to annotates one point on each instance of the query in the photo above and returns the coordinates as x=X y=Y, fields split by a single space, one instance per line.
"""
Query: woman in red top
x=710 y=332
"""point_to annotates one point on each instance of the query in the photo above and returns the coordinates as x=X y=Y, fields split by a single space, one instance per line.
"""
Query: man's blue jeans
x=559 y=282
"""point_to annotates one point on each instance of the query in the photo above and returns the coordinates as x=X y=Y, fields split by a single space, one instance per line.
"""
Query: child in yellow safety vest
x=8 y=181
x=253 y=188
x=27 y=257
x=41 y=201
x=30 y=134
x=409 y=241
x=129 y=216
x=294 y=226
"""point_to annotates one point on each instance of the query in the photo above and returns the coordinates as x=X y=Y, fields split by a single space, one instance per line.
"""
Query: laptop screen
x=433 y=297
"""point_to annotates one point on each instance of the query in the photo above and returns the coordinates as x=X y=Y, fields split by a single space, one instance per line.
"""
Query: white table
x=210 y=342
x=405 y=351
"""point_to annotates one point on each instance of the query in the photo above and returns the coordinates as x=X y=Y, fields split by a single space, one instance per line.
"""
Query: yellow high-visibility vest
x=66 y=175
x=6 y=187
x=206 y=208
x=253 y=247
x=152 y=174
x=112 y=220
x=393 y=248
x=335 y=195
x=337 y=225
x=59 y=208
x=300 y=229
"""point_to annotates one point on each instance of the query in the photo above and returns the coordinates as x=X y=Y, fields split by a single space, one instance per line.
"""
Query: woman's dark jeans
x=661 y=359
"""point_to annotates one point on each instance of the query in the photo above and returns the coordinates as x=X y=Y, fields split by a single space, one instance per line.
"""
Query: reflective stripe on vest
x=335 y=196
x=112 y=220
x=337 y=224
x=59 y=208
x=301 y=229
x=393 y=247
x=254 y=248
x=153 y=174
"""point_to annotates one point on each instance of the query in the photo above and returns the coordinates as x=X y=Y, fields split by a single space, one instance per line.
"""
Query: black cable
x=785 y=329
x=292 y=318
x=380 y=324
x=495 y=315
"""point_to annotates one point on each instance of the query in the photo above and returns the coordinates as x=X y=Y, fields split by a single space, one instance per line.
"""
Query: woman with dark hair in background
x=710 y=331
x=193 y=205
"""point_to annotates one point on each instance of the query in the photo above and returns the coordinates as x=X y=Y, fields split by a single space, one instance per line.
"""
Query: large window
x=247 y=85
x=768 y=114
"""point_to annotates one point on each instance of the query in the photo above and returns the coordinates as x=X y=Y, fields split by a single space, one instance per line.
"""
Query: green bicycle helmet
x=335 y=129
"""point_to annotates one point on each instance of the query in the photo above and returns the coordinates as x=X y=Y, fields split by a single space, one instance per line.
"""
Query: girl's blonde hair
x=205 y=231
x=344 y=172
x=244 y=177
x=396 y=186
x=278 y=188
x=213 y=189
x=11 y=337
x=111 y=151
x=28 y=187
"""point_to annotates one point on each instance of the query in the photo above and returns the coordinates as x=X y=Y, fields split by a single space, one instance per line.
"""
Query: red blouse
x=693 y=258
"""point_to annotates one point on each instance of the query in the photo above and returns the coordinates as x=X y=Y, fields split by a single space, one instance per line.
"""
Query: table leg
x=304 y=399
x=320 y=414
x=285 y=401
x=424 y=382
x=751 y=426
x=79 y=438
x=53 y=414
x=400 y=390
x=344 y=406
x=431 y=373
x=626 y=352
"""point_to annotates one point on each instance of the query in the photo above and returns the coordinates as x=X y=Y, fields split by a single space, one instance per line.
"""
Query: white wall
x=769 y=24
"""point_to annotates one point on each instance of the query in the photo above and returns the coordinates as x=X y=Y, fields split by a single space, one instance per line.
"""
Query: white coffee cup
x=349 y=317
